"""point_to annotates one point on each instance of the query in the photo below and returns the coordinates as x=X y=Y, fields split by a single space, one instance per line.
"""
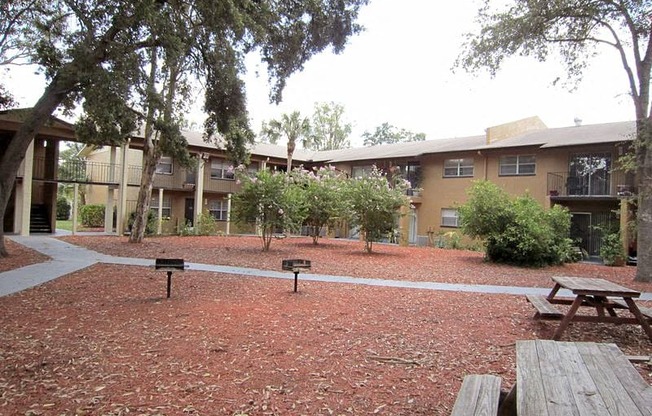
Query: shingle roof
x=547 y=138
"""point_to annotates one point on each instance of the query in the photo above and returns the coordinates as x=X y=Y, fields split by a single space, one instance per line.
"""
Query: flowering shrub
x=268 y=200
x=375 y=204
x=322 y=191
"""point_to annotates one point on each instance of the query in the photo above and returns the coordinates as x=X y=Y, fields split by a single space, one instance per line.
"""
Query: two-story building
x=575 y=166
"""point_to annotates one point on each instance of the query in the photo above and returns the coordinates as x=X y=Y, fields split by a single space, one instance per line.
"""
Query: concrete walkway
x=68 y=258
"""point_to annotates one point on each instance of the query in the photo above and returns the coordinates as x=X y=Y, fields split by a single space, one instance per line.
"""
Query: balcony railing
x=600 y=183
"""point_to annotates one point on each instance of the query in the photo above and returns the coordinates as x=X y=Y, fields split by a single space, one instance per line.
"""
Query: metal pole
x=169 y=282
x=296 y=278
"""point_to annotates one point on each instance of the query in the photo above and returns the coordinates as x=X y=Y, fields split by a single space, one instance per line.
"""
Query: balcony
x=595 y=185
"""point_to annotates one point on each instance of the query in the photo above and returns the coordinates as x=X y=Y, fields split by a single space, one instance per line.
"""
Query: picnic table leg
x=508 y=405
x=639 y=316
x=553 y=292
x=568 y=317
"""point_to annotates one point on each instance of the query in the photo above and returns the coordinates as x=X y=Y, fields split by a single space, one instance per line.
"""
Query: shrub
x=206 y=225
x=375 y=203
x=63 y=208
x=516 y=231
x=150 y=229
x=612 y=250
x=92 y=216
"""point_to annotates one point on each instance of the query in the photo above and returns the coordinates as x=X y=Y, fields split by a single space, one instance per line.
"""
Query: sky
x=399 y=71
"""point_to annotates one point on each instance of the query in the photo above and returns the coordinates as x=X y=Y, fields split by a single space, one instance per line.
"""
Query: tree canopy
x=388 y=134
x=292 y=127
x=330 y=131
x=575 y=29
x=95 y=49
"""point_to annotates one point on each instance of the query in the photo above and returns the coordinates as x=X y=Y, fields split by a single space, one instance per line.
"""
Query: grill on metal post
x=295 y=266
x=170 y=265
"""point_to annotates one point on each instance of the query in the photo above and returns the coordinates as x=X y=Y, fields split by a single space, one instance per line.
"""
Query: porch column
x=199 y=191
x=625 y=217
x=110 y=194
x=228 y=214
x=159 y=229
x=404 y=226
x=75 y=205
x=23 y=211
x=122 y=186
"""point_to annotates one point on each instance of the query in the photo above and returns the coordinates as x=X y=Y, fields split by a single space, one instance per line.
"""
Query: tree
x=375 y=204
x=93 y=46
x=575 y=28
x=388 y=134
x=518 y=231
x=329 y=130
x=322 y=194
x=269 y=202
x=291 y=126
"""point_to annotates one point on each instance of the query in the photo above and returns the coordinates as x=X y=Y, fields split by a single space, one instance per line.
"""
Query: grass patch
x=64 y=225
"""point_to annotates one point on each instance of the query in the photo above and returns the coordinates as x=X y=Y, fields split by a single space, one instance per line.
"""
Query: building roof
x=571 y=136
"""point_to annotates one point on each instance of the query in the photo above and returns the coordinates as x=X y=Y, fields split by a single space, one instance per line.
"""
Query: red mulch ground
x=19 y=256
x=103 y=341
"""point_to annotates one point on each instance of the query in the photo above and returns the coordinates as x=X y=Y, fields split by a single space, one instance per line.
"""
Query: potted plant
x=612 y=250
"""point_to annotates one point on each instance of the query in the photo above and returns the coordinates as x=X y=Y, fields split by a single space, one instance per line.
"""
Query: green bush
x=612 y=250
x=63 y=208
x=152 y=219
x=516 y=231
x=206 y=224
x=92 y=216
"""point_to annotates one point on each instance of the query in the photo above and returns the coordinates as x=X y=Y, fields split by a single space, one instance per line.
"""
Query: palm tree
x=293 y=127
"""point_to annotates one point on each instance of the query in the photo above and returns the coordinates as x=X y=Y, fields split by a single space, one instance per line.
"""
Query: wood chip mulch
x=19 y=256
x=106 y=341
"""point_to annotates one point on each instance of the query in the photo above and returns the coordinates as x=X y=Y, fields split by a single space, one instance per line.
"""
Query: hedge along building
x=573 y=166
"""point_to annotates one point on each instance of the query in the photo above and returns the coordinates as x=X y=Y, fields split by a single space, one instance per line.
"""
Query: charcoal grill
x=169 y=266
x=295 y=266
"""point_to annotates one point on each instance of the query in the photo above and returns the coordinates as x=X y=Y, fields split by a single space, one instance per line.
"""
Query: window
x=517 y=165
x=218 y=209
x=361 y=171
x=164 y=165
x=167 y=205
x=458 y=167
x=449 y=218
x=220 y=169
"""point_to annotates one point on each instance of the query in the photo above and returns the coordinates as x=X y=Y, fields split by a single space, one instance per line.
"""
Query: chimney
x=578 y=121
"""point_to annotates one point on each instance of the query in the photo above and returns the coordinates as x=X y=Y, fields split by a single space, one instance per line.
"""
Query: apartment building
x=576 y=167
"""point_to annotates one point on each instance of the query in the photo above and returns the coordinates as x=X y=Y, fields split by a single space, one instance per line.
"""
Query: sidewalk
x=68 y=258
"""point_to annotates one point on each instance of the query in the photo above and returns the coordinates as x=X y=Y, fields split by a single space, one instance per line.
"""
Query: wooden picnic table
x=603 y=295
x=578 y=378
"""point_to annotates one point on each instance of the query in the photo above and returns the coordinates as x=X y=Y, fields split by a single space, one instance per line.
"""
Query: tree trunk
x=58 y=89
x=150 y=158
x=644 y=213
x=291 y=147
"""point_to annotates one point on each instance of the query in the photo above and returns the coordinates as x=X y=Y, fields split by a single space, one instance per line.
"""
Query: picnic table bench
x=479 y=395
x=578 y=378
x=604 y=296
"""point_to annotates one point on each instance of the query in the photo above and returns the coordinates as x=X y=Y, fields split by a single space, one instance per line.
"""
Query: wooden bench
x=647 y=312
x=544 y=308
x=479 y=395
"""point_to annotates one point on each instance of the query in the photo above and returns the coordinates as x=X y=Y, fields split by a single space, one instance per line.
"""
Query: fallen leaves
x=103 y=341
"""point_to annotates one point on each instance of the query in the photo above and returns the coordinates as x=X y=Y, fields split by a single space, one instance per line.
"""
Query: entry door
x=190 y=211
x=580 y=231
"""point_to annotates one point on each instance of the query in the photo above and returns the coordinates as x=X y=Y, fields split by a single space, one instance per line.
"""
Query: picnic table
x=578 y=378
x=605 y=296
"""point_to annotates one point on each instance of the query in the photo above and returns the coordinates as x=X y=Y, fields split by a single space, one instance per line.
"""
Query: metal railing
x=600 y=183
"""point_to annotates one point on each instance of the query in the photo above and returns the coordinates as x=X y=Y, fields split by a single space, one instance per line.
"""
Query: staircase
x=39 y=221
